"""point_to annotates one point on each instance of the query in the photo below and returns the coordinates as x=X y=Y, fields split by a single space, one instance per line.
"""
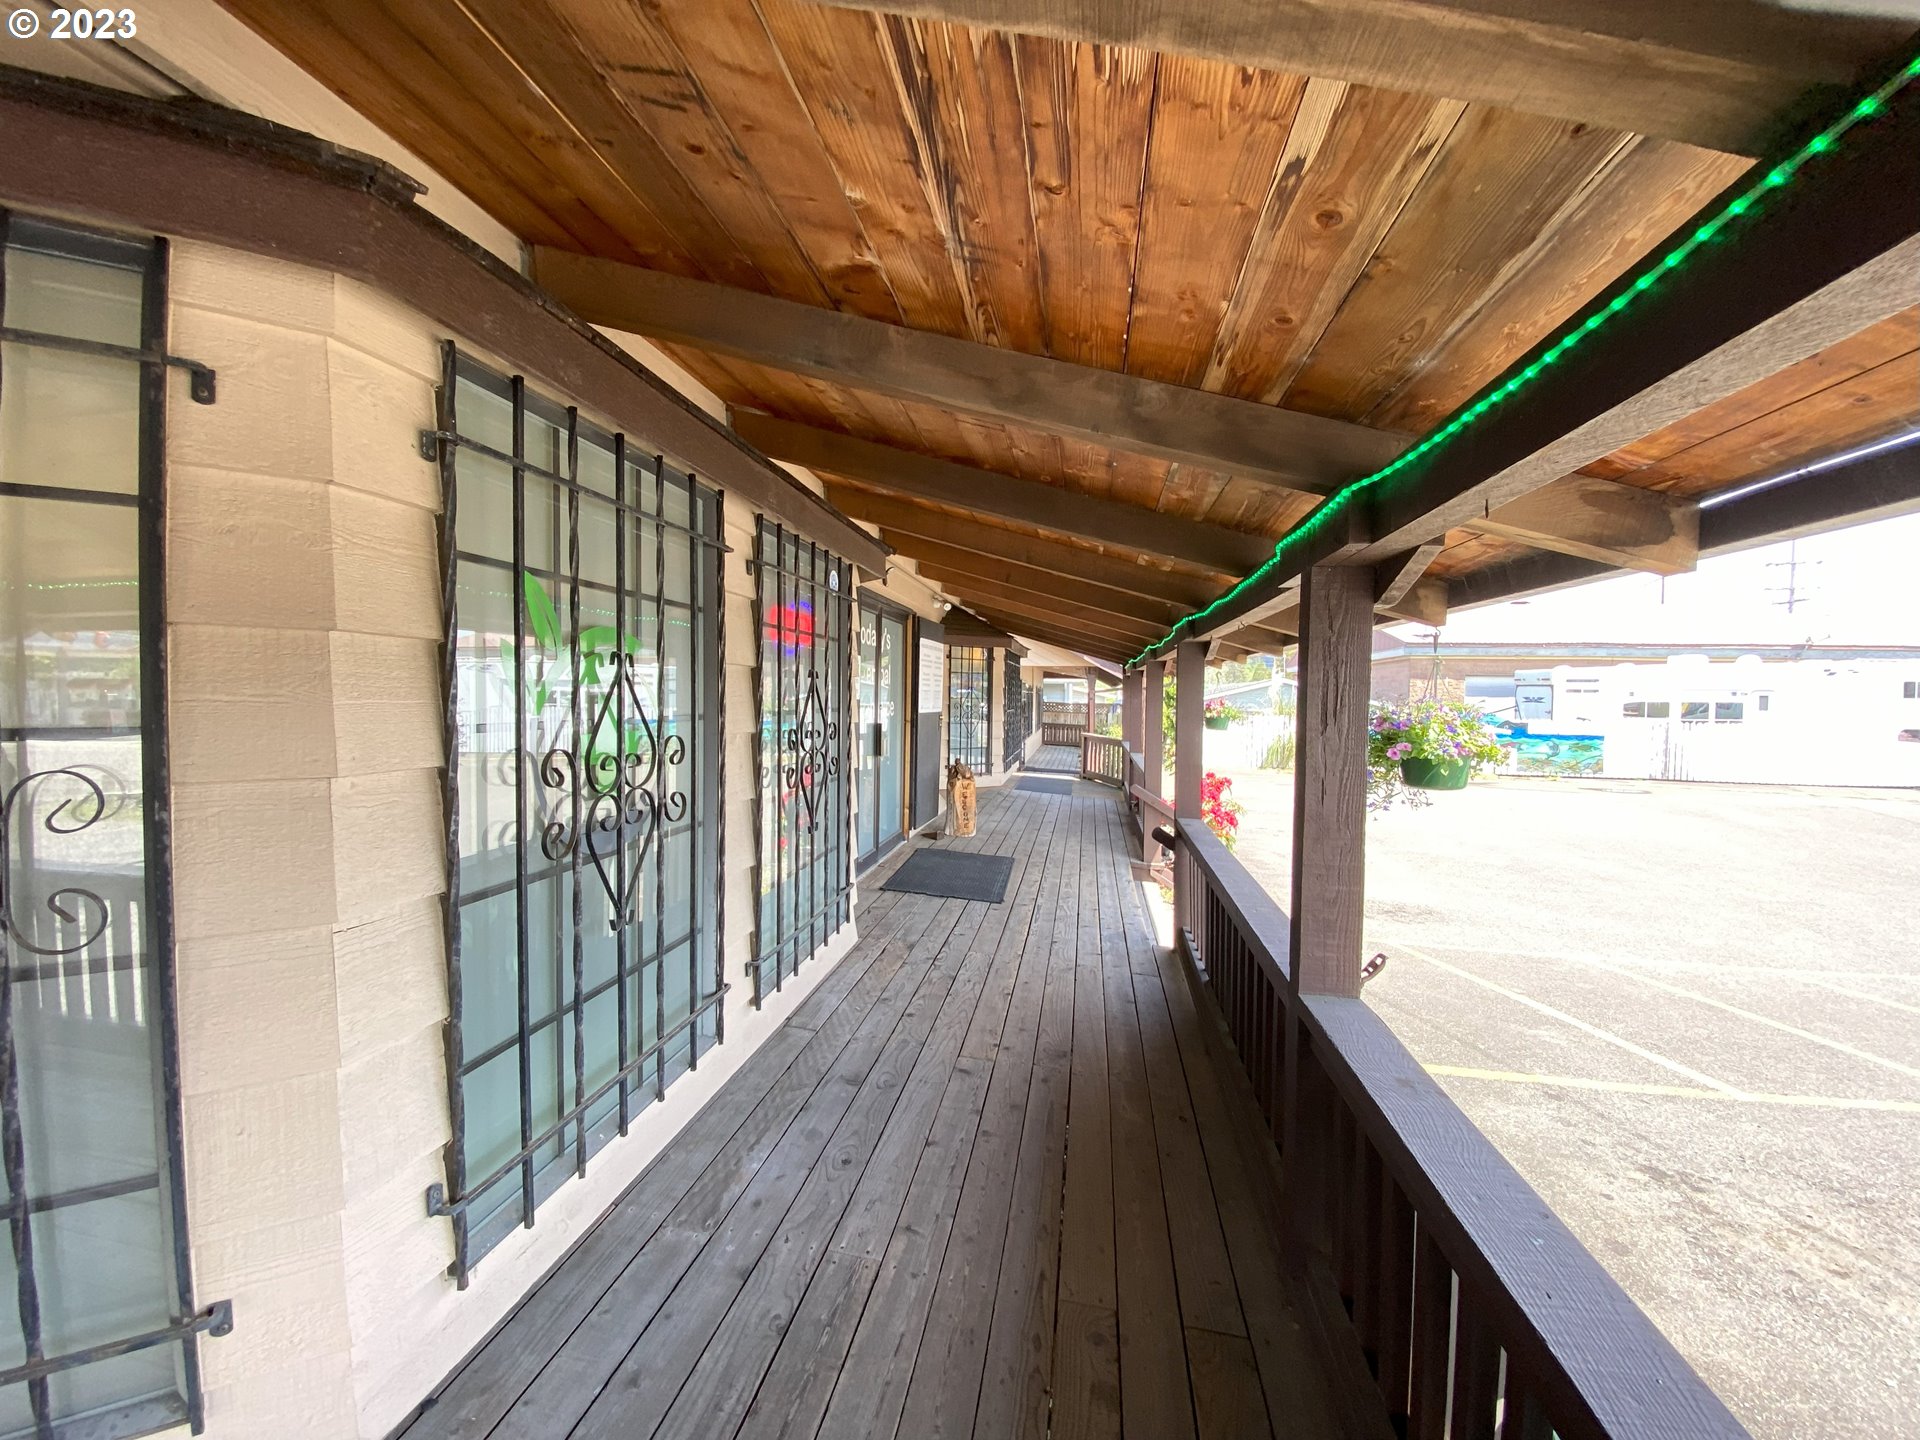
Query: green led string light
x=1779 y=176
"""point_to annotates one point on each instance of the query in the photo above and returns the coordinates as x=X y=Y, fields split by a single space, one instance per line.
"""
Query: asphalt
x=1690 y=1016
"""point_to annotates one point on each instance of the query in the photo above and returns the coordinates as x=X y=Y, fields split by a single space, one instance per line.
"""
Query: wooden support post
x=1189 y=726
x=1092 y=680
x=1330 y=778
x=1329 y=850
x=1132 y=684
x=1153 y=750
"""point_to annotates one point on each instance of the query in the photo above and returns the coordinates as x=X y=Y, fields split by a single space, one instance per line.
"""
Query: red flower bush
x=1219 y=809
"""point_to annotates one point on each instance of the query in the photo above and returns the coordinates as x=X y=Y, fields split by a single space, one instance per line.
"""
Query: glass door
x=880 y=693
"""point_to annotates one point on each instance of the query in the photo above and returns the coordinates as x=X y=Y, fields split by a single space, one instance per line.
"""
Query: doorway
x=880 y=693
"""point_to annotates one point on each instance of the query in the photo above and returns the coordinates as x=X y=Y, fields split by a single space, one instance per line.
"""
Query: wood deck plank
x=853 y=1200
x=1016 y=1376
x=994 y=1185
x=721 y=1227
x=945 y=1389
x=1297 y=1402
x=1155 y=1396
x=802 y=1186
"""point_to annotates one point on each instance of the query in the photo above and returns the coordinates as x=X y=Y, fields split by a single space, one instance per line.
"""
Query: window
x=969 y=706
x=1693 y=709
x=805 y=676
x=1910 y=689
x=1634 y=708
x=585 y=936
x=1764 y=702
x=1019 y=697
x=101 y=1320
x=1728 y=711
x=1659 y=709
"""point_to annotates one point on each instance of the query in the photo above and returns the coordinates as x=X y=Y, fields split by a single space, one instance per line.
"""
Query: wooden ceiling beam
x=1029 y=502
x=1065 y=638
x=1047 y=607
x=1034 y=585
x=1718 y=75
x=963 y=626
x=1595 y=519
x=906 y=518
x=1116 y=630
x=1285 y=448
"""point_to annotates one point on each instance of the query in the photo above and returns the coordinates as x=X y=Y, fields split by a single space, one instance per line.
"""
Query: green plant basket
x=1219 y=722
x=1435 y=774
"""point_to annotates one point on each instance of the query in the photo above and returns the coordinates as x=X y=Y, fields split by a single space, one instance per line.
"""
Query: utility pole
x=1793 y=593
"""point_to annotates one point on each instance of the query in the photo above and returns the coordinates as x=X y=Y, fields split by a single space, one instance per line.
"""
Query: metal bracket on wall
x=200 y=381
x=216 y=1320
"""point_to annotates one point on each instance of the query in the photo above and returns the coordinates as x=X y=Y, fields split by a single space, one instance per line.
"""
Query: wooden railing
x=1469 y=1301
x=1062 y=732
x=1103 y=758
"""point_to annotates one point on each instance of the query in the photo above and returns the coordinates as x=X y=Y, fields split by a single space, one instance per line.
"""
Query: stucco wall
x=303 y=591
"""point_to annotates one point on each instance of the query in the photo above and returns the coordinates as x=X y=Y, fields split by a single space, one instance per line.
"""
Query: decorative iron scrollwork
x=813 y=751
x=69 y=904
x=619 y=807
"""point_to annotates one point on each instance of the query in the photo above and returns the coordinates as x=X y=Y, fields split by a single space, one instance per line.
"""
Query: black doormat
x=1045 y=787
x=954 y=874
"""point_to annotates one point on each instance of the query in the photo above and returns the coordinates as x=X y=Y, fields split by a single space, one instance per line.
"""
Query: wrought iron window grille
x=970 y=706
x=804 y=689
x=603 y=779
x=70 y=924
x=1019 y=722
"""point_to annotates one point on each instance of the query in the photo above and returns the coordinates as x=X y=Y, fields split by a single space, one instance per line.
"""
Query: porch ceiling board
x=1661 y=70
x=1347 y=214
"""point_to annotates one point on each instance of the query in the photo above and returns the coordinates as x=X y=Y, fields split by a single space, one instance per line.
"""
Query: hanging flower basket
x=1218 y=722
x=1218 y=714
x=1427 y=745
x=1435 y=774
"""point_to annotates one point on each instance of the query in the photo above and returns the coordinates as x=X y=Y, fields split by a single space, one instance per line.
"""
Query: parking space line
x=1699 y=1076
x=1870 y=998
x=1840 y=1045
x=1682 y=1092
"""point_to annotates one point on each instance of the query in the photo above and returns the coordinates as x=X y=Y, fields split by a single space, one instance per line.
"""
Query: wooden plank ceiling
x=1335 y=248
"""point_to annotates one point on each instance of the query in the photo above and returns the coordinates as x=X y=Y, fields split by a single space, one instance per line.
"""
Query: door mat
x=1046 y=787
x=953 y=874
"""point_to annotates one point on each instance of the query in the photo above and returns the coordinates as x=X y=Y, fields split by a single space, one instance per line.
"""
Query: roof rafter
x=1286 y=448
x=1030 y=502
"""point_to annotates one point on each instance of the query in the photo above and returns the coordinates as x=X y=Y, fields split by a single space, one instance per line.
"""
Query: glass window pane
x=68 y=420
x=61 y=295
x=70 y=611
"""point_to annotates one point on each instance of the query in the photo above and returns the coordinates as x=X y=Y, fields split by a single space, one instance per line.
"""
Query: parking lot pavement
x=1690 y=1016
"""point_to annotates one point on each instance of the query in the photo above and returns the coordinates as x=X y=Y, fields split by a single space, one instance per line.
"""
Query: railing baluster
x=1432 y=1340
x=1345 y=1229
x=1476 y=1371
x=1396 y=1293
x=1525 y=1417
x=1366 y=1253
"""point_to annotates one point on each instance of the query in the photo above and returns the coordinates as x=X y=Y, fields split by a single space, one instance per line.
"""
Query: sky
x=1851 y=587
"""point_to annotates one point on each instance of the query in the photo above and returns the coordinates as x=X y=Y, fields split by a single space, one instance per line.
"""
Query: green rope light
x=1750 y=198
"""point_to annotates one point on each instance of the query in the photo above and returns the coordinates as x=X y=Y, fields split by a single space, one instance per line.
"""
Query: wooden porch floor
x=988 y=1180
x=1056 y=759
